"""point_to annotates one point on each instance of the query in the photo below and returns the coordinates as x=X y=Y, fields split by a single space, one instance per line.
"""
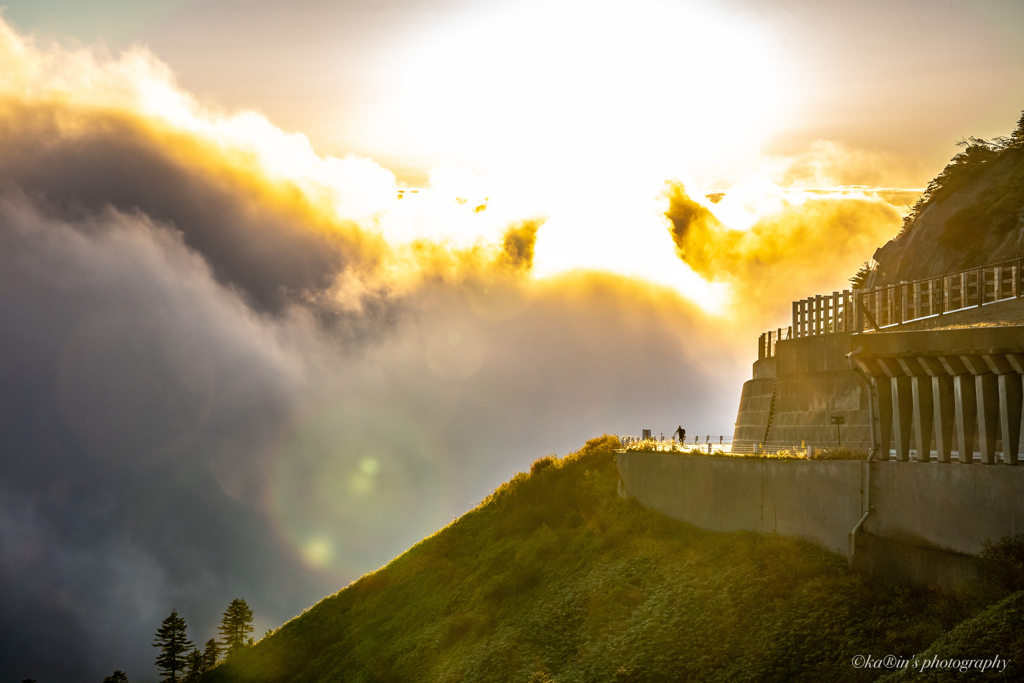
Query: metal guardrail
x=636 y=443
x=654 y=443
x=891 y=306
x=906 y=302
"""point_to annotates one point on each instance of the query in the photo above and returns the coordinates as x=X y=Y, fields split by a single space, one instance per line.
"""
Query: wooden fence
x=768 y=340
x=890 y=306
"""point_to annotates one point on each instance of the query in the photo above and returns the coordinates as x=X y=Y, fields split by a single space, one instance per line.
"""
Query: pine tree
x=235 y=626
x=196 y=666
x=174 y=648
x=1017 y=136
x=116 y=677
x=211 y=654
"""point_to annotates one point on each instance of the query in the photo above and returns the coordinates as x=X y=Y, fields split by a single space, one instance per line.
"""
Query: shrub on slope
x=997 y=631
x=555 y=578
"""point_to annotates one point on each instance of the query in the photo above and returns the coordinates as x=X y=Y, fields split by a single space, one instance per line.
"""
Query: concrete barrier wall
x=755 y=408
x=811 y=384
x=815 y=500
x=945 y=506
x=927 y=522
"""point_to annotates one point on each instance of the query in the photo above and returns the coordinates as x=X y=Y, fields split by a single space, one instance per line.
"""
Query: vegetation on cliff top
x=997 y=208
x=977 y=156
x=556 y=578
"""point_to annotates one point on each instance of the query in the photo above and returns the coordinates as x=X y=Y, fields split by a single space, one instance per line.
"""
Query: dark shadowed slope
x=971 y=214
x=556 y=578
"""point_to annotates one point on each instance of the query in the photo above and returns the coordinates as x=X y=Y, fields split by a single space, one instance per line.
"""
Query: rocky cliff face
x=972 y=215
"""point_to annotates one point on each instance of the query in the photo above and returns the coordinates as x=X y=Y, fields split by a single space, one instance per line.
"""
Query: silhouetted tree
x=196 y=666
x=174 y=646
x=235 y=626
x=211 y=654
x=1017 y=136
x=116 y=677
x=861 y=276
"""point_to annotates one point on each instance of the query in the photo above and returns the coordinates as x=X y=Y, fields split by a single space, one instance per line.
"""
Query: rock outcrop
x=978 y=223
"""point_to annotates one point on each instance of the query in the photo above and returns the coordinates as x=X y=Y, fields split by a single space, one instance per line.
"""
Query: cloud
x=792 y=244
x=170 y=445
x=235 y=368
x=827 y=163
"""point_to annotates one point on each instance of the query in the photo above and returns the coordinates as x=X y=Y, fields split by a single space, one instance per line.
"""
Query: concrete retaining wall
x=928 y=521
x=947 y=506
x=807 y=499
x=811 y=383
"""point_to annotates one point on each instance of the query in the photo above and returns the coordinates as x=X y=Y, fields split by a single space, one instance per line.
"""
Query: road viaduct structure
x=923 y=403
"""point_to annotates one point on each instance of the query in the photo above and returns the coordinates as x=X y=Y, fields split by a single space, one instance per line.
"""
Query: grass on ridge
x=555 y=578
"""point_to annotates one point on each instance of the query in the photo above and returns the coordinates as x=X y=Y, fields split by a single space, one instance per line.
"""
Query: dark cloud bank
x=184 y=420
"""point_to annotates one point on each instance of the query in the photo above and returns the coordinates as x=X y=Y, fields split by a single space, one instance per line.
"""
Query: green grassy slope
x=555 y=578
x=997 y=631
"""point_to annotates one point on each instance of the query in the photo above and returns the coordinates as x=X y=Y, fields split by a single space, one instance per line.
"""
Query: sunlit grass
x=554 y=575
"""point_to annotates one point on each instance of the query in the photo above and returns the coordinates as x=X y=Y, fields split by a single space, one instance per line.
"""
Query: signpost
x=838 y=421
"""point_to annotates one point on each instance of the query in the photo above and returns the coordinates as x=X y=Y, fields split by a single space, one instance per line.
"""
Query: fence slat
x=900 y=303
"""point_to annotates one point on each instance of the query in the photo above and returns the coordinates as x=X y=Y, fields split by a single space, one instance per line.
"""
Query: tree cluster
x=964 y=167
x=180 y=662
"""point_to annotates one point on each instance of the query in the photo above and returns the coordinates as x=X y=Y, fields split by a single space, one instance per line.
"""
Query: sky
x=285 y=289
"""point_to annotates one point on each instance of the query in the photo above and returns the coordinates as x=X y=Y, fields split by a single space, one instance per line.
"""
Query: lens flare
x=341 y=475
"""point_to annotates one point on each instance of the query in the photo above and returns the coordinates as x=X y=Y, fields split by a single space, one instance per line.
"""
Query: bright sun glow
x=572 y=113
x=652 y=86
x=579 y=113
x=576 y=113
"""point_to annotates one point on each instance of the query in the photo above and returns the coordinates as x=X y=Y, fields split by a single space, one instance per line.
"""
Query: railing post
x=846 y=310
x=1016 y=279
x=902 y=301
x=796 y=308
x=981 y=287
x=891 y=301
x=942 y=295
x=858 y=311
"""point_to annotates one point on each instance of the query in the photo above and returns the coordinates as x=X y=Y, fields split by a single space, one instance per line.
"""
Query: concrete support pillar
x=942 y=404
x=965 y=401
x=924 y=416
x=987 y=391
x=884 y=425
x=1010 y=403
x=944 y=413
x=902 y=413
